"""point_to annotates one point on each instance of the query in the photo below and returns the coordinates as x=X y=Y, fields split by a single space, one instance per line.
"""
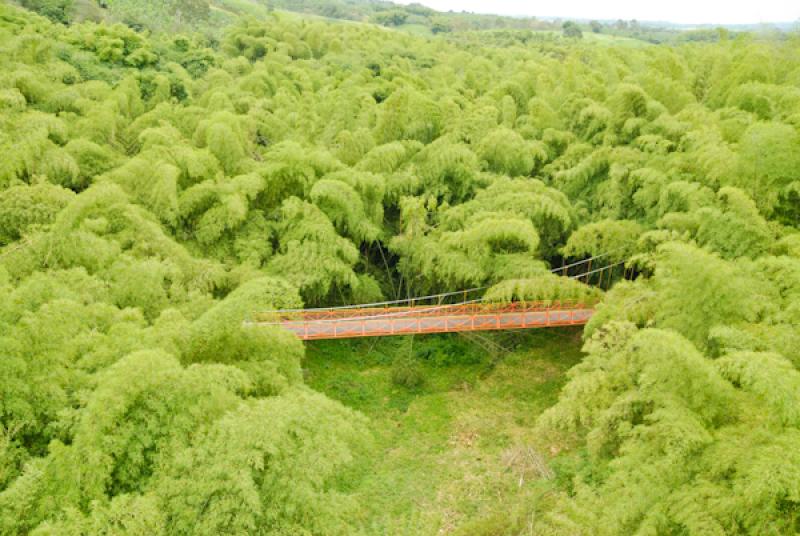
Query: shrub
x=406 y=372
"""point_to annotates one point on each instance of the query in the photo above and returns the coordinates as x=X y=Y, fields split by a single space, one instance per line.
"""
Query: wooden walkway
x=347 y=323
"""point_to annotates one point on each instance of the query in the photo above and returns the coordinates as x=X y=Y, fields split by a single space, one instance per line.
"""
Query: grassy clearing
x=459 y=450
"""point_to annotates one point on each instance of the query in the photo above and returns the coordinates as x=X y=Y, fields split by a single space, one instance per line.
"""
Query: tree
x=655 y=414
x=394 y=17
x=614 y=239
x=311 y=255
x=171 y=14
x=698 y=291
x=505 y=151
x=57 y=10
x=571 y=30
x=737 y=229
x=769 y=161
x=23 y=207
x=440 y=25
x=448 y=170
x=245 y=476
x=408 y=115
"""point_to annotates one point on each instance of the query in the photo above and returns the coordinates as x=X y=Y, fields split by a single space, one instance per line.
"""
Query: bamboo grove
x=157 y=188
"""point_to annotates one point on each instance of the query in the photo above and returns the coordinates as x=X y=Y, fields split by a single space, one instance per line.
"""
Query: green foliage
x=490 y=246
x=270 y=357
x=164 y=15
x=448 y=170
x=408 y=115
x=572 y=30
x=57 y=10
x=769 y=161
x=354 y=203
x=311 y=255
x=160 y=185
x=394 y=17
x=545 y=287
x=92 y=160
x=698 y=291
x=506 y=152
x=142 y=283
x=614 y=238
x=113 y=44
x=656 y=416
x=735 y=230
x=23 y=207
x=770 y=377
x=246 y=477
x=292 y=169
x=407 y=373
x=546 y=208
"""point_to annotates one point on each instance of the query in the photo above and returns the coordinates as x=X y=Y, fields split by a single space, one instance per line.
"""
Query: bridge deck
x=350 y=323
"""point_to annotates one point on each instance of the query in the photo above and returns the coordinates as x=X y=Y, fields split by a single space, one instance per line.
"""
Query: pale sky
x=680 y=11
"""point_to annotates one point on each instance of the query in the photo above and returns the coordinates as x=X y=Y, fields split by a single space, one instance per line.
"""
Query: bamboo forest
x=174 y=172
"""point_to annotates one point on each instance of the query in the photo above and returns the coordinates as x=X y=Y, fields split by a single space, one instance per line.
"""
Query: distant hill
x=177 y=15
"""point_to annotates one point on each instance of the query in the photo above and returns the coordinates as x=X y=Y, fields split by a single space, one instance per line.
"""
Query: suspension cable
x=390 y=313
x=429 y=297
x=597 y=270
x=387 y=314
x=584 y=261
x=374 y=304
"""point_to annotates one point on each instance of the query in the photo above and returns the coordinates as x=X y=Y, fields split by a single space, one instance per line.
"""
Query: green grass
x=444 y=452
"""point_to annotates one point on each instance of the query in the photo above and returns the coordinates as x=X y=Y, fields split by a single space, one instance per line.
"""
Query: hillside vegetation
x=156 y=188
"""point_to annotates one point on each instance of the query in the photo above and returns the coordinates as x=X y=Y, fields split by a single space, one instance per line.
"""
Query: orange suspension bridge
x=430 y=314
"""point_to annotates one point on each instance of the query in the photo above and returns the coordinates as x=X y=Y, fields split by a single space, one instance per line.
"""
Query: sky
x=678 y=11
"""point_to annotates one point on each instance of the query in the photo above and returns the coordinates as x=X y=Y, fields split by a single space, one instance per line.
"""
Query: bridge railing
x=505 y=317
x=476 y=307
x=463 y=302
